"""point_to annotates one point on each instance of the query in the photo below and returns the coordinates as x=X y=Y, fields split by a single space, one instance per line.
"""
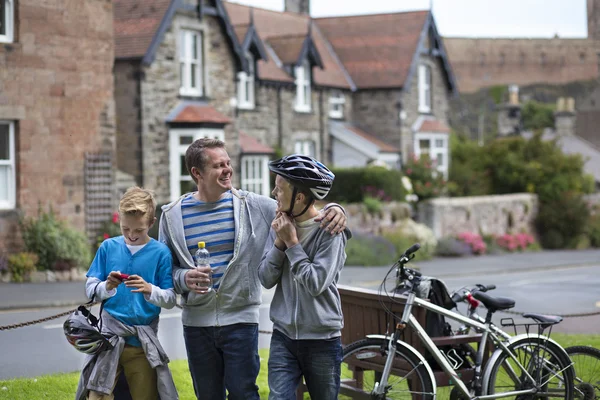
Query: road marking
x=163 y=316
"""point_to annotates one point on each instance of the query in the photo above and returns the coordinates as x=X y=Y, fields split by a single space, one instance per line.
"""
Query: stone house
x=56 y=112
x=348 y=91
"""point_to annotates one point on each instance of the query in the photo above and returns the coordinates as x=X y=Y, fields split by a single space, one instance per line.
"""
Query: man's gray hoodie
x=239 y=295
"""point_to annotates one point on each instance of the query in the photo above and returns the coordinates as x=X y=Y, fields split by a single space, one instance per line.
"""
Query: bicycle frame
x=411 y=321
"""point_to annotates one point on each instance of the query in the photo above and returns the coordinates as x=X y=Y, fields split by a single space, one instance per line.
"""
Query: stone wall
x=56 y=84
x=160 y=94
x=486 y=215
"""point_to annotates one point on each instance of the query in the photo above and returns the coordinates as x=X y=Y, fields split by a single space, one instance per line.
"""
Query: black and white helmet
x=83 y=336
x=305 y=172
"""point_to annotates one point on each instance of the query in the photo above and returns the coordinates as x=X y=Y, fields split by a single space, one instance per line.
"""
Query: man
x=220 y=326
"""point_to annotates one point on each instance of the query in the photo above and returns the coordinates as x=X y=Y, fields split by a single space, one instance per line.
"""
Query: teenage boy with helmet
x=305 y=263
x=133 y=273
x=220 y=327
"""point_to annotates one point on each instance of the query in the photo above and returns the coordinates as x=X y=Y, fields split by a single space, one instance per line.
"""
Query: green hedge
x=350 y=184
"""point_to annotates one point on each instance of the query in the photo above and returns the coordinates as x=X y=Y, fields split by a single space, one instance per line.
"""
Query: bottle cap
x=201 y=245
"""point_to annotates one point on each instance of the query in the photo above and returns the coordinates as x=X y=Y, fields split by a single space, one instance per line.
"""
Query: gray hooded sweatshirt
x=239 y=295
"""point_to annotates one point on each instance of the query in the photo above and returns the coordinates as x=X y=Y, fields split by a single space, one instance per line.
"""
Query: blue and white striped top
x=213 y=224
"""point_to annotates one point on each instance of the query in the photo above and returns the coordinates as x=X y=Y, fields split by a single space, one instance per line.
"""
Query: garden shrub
x=426 y=181
x=518 y=241
x=474 y=241
x=593 y=230
x=3 y=262
x=53 y=240
x=21 y=265
x=350 y=183
x=369 y=250
x=452 y=247
x=110 y=228
x=409 y=232
x=537 y=115
x=560 y=222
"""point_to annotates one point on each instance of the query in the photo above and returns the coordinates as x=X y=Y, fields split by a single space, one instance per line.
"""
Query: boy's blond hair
x=138 y=201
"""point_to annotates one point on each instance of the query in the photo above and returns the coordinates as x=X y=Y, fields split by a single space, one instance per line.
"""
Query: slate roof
x=359 y=139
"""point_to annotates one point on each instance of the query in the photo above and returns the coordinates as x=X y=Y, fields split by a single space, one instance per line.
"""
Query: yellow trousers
x=141 y=377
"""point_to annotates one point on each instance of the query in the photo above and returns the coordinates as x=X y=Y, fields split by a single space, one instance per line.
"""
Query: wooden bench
x=364 y=315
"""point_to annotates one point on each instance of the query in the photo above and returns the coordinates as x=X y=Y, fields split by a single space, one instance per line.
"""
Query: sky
x=468 y=18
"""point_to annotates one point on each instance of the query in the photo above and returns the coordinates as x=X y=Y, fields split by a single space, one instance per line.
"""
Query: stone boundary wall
x=486 y=215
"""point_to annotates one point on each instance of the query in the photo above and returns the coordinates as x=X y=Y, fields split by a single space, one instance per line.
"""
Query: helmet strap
x=291 y=212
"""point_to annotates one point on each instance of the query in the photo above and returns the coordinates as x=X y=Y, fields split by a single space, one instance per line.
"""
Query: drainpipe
x=279 y=120
x=322 y=128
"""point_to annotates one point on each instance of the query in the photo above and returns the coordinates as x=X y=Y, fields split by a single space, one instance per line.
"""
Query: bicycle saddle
x=494 y=304
x=544 y=319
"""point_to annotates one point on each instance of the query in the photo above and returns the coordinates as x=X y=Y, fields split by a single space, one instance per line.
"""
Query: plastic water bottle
x=202 y=259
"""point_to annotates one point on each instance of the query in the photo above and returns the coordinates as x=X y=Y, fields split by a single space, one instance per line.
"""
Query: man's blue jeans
x=317 y=360
x=224 y=357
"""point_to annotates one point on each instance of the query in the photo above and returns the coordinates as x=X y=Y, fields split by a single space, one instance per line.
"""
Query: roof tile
x=251 y=145
x=193 y=113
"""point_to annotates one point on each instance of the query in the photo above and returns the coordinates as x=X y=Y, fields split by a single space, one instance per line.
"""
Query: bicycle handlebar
x=462 y=294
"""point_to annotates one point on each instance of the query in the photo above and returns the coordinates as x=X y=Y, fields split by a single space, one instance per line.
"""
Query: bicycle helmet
x=82 y=335
x=305 y=172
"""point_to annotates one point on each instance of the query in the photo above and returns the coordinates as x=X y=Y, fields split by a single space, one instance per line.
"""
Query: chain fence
x=63 y=314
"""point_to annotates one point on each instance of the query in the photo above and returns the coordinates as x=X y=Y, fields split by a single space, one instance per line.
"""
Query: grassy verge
x=63 y=386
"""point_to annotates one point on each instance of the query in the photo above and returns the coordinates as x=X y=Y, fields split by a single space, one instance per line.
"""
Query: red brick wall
x=56 y=84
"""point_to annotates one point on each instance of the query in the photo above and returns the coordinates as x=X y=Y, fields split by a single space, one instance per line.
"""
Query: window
x=336 y=105
x=6 y=21
x=436 y=147
x=190 y=63
x=306 y=147
x=255 y=174
x=424 y=89
x=7 y=165
x=246 y=86
x=303 y=87
x=179 y=140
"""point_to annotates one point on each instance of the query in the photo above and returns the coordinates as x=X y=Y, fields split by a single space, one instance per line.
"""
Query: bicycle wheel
x=586 y=361
x=543 y=360
x=362 y=366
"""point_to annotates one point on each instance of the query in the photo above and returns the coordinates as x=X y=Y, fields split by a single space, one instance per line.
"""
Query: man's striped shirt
x=213 y=224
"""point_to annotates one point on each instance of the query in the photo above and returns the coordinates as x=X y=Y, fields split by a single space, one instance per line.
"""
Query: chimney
x=509 y=114
x=564 y=116
x=298 y=6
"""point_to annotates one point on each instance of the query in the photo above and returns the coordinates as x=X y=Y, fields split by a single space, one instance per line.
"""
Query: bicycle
x=586 y=359
x=526 y=366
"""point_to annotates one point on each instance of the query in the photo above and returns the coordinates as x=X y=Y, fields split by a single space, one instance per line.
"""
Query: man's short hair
x=195 y=155
x=138 y=202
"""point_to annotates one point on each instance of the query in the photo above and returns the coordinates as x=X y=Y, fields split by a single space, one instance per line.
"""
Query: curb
x=515 y=270
x=45 y=305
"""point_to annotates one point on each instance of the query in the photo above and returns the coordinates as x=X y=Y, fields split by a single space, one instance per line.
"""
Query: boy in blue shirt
x=132 y=273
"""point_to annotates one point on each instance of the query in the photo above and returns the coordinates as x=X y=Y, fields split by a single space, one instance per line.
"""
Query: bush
x=350 y=182
x=110 y=228
x=369 y=250
x=537 y=115
x=452 y=247
x=53 y=240
x=474 y=241
x=3 y=262
x=519 y=241
x=560 y=222
x=410 y=232
x=593 y=230
x=426 y=181
x=21 y=265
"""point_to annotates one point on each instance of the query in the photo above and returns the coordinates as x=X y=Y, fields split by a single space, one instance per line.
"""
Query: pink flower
x=408 y=171
x=106 y=236
x=115 y=218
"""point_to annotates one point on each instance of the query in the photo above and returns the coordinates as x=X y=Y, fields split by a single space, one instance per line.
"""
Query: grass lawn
x=63 y=386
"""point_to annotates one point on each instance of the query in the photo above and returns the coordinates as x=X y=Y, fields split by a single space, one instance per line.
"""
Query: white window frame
x=246 y=86
x=9 y=18
x=255 y=174
x=176 y=150
x=434 y=150
x=336 y=105
x=10 y=202
x=306 y=147
x=188 y=64
x=303 y=89
x=425 y=97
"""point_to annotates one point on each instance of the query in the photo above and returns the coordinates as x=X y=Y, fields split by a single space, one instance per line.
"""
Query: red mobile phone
x=124 y=276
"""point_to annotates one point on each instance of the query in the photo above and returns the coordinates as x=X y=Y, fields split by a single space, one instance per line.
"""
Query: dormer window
x=303 y=96
x=191 y=63
x=336 y=105
x=246 y=86
x=424 y=89
x=6 y=21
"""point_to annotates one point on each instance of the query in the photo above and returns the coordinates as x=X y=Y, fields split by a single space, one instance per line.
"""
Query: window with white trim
x=434 y=145
x=424 y=88
x=255 y=174
x=305 y=147
x=336 y=105
x=7 y=18
x=191 y=68
x=7 y=166
x=179 y=141
x=246 y=86
x=303 y=96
